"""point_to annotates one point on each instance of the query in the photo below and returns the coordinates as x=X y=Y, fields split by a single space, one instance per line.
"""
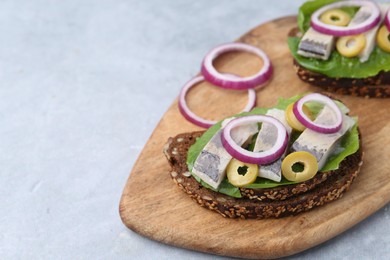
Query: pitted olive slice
x=299 y=166
x=240 y=174
x=383 y=39
x=335 y=17
x=351 y=46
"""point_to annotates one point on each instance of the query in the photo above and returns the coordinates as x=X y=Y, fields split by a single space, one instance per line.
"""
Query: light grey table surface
x=82 y=86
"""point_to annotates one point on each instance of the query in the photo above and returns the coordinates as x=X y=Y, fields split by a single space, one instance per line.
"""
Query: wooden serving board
x=153 y=206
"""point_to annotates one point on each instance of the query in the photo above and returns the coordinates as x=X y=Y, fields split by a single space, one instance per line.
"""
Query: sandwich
x=343 y=46
x=270 y=162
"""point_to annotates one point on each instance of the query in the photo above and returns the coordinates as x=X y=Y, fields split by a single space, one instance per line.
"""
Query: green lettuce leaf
x=349 y=145
x=336 y=66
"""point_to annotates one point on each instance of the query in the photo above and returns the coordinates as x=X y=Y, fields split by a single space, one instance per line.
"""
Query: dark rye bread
x=328 y=190
x=267 y=194
x=377 y=86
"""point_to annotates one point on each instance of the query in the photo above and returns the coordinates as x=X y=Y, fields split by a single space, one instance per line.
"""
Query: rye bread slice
x=328 y=190
x=377 y=86
x=266 y=194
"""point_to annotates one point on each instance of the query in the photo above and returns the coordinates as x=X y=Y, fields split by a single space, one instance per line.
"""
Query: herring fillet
x=265 y=140
x=363 y=14
x=322 y=145
x=316 y=45
x=210 y=165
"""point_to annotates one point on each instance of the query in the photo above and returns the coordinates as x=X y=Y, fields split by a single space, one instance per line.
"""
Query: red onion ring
x=264 y=157
x=305 y=120
x=197 y=120
x=239 y=83
x=368 y=24
x=387 y=20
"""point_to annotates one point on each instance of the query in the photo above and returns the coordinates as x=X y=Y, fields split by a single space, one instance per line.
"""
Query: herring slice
x=265 y=139
x=212 y=161
x=363 y=14
x=322 y=145
x=316 y=45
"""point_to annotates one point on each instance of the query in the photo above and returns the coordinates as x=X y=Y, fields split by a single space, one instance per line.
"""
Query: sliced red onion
x=238 y=83
x=338 y=31
x=197 y=120
x=387 y=20
x=305 y=120
x=263 y=157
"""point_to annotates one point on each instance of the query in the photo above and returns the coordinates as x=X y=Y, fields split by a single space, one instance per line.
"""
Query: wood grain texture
x=153 y=206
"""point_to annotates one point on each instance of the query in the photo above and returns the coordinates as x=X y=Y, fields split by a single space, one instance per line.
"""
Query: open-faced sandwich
x=270 y=162
x=343 y=46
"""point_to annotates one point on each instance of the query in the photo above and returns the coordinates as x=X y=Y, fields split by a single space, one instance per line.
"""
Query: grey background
x=82 y=86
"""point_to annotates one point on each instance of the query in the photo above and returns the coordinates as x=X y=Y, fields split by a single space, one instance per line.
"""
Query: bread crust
x=326 y=191
x=372 y=87
x=377 y=86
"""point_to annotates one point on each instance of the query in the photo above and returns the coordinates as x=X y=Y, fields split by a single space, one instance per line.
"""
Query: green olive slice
x=351 y=46
x=299 y=166
x=335 y=17
x=383 y=39
x=240 y=174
